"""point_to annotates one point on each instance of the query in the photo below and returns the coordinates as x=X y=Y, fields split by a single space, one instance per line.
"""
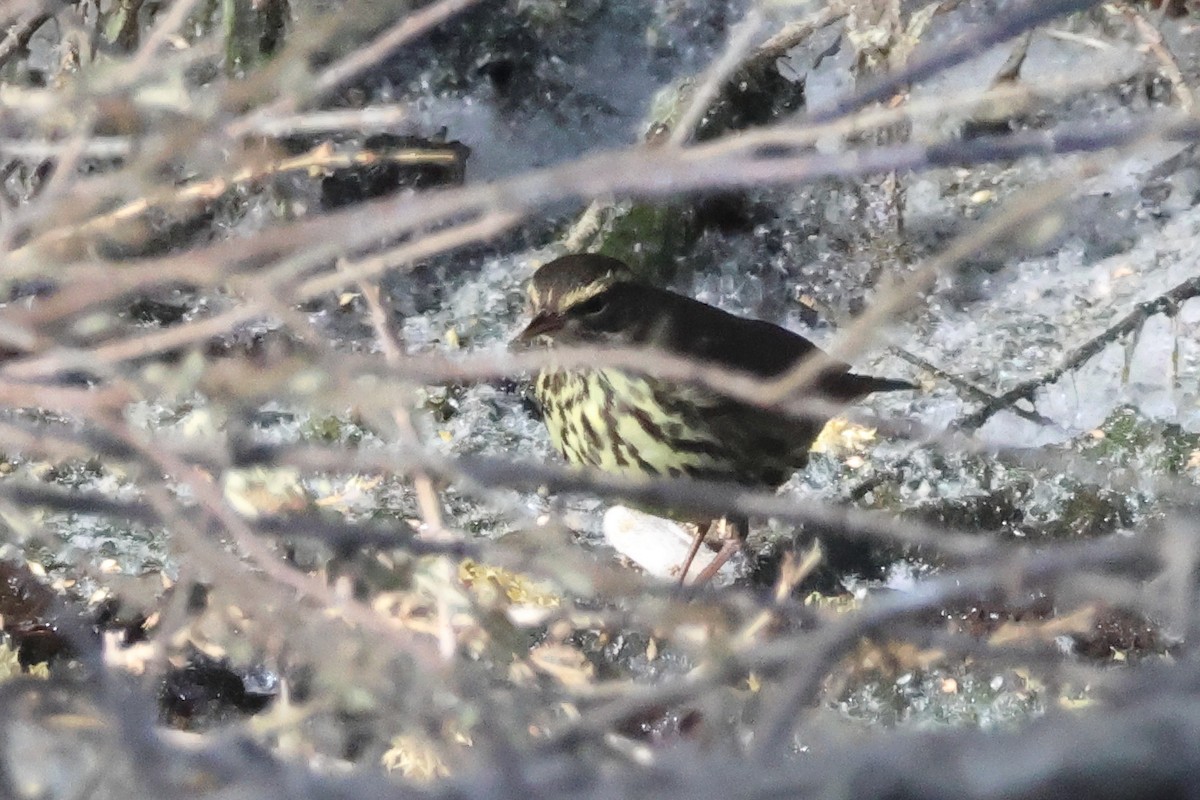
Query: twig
x=18 y=34
x=43 y=150
x=207 y=495
x=708 y=85
x=393 y=353
x=1168 y=303
x=856 y=336
x=1004 y=26
x=415 y=24
x=164 y=27
x=651 y=172
x=1170 y=66
x=1023 y=573
x=1010 y=71
x=361 y=120
x=967 y=388
x=795 y=33
x=322 y=157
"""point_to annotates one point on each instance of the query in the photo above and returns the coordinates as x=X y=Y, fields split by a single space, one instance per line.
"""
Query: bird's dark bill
x=542 y=323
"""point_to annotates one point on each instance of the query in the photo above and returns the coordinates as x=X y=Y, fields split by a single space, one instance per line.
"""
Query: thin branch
x=1024 y=572
x=1166 y=303
x=1011 y=22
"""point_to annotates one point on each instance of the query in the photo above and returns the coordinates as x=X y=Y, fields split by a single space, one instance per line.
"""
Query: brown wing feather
x=688 y=327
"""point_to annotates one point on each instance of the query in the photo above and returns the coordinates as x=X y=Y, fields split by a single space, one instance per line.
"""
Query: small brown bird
x=634 y=424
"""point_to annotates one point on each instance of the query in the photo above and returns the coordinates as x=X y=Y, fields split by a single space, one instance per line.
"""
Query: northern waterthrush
x=635 y=424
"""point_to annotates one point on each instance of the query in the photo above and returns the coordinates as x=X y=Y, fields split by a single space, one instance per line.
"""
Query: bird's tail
x=851 y=386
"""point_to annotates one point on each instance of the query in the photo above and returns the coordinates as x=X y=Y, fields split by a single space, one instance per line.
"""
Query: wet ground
x=1098 y=450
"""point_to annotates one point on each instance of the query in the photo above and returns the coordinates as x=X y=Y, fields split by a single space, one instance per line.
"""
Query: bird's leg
x=732 y=543
x=701 y=533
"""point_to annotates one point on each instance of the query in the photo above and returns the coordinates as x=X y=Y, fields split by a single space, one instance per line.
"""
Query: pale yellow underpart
x=586 y=400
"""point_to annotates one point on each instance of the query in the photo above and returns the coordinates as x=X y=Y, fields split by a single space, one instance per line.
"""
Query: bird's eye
x=592 y=306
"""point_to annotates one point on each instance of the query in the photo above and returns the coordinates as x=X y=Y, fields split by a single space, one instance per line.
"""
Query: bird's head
x=578 y=299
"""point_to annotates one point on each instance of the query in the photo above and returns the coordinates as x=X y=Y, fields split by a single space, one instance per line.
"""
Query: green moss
x=121 y=24
x=648 y=237
x=1091 y=511
x=918 y=698
x=443 y=402
x=1127 y=438
x=1124 y=433
x=1000 y=510
x=10 y=664
x=253 y=32
x=332 y=429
